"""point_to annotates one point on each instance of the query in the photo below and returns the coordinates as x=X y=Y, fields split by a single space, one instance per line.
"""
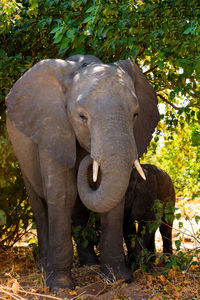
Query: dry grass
x=20 y=280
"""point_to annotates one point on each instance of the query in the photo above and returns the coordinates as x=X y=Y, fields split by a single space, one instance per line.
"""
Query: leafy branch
x=173 y=105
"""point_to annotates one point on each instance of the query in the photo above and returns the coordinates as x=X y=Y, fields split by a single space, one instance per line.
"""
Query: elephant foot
x=116 y=271
x=87 y=256
x=56 y=280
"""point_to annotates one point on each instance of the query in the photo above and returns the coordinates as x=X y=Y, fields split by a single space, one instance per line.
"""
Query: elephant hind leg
x=151 y=247
x=40 y=213
x=27 y=154
x=166 y=233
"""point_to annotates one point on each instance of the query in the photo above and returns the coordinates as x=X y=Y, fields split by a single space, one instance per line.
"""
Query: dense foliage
x=162 y=36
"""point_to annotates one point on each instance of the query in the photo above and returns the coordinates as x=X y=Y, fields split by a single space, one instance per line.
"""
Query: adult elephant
x=59 y=111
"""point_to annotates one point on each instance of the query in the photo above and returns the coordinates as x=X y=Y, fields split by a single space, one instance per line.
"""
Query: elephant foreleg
x=112 y=258
x=40 y=213
x=60 y=192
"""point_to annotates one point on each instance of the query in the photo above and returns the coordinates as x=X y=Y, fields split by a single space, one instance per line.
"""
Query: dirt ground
x=20 y=279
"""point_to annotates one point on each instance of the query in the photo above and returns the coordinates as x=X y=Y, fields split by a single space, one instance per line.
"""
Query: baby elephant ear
x=148 y=117
x=36 y=105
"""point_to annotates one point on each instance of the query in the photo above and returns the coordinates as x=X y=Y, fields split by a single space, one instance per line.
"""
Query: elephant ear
x=36 y=105
x=148 y=117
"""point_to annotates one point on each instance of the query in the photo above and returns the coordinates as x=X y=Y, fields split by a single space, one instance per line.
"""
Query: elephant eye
x=83 y=118
x=135 y=115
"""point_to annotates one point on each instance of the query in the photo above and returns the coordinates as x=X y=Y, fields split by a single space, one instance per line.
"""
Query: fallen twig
x=21 y=290
x=12 y=295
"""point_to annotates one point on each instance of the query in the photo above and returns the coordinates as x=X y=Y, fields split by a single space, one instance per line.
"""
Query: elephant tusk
x=139 y=169
x=95 y=170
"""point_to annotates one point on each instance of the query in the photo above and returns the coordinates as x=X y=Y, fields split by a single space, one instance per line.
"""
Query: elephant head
x=111 y=110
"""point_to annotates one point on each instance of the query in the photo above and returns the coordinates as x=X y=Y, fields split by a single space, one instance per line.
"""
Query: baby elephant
x=151 y=203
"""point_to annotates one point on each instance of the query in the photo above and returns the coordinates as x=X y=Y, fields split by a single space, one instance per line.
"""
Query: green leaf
x=190 y=29
x=160 y=63
x=34 y=3
x=148 y=52
x=55 y=29
x=178 y=244
x=90 y=9
x=64 y=44
x=195 y=137
x=71 y=34
x=58 y=36
x=180 y=224
x=178 y=216
x=172 y=95
x=197 y=218
x=88 y=19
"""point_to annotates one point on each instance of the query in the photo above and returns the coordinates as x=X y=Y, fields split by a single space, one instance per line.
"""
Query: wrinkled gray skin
x=59 y=111
x=139 y=203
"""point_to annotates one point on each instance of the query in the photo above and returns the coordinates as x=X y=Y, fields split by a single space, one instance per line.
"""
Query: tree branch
x=162 y=88
x=170 y=103
x=150 y=70
x=141 y=52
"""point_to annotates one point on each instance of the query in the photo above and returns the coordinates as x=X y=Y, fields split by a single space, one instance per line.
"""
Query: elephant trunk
x=115 y=157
